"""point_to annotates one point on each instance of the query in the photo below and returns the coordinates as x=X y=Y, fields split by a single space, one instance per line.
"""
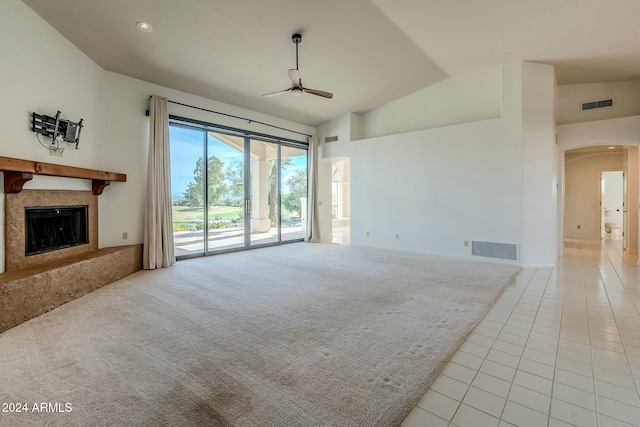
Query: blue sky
x=186 y=149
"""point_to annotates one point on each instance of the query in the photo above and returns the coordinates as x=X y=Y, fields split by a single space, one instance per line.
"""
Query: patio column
x=260 y=196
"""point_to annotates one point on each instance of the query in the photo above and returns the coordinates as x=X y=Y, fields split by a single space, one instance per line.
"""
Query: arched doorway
x=583 y=216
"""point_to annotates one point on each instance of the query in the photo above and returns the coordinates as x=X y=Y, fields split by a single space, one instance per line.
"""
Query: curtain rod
x=235 y=117
x=185 y=121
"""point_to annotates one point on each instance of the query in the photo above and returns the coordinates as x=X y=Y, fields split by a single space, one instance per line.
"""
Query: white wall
x=396 y=180
x=346 y=128
x=539 y=164
x=620 y=131
x=582 y=186
x=437 y=188
x=626 y=101
x=324 y=200
x=457 y=100
x=42 y=72
x=340 y=127
x=453 y=181
x=357 y=126
x=115 y=136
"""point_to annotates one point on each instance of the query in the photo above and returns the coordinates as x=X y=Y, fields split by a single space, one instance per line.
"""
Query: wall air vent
x=331 y=138
x=495 y=250
x=596 y=104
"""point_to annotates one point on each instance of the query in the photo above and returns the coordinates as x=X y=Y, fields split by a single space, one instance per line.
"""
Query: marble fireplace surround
x=33 y=285
x=15 y=225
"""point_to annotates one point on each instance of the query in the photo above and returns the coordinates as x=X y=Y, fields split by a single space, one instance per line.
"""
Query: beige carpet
x=295 y=335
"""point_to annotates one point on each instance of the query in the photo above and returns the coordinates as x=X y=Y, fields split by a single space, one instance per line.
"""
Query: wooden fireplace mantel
x=19 y=171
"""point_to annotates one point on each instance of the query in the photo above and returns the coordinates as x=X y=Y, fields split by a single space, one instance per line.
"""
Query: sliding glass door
x=225 y=193
x=264 y=186
x=187 y=190
x=293 y=202
x=251 y=192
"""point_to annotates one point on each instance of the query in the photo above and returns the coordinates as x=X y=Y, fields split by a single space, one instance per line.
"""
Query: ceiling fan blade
x=296 y=83
x=318 y=92
x=294 y=75
x=280 y=92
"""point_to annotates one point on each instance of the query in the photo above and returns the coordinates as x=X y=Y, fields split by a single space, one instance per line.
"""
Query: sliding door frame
x=248 y=137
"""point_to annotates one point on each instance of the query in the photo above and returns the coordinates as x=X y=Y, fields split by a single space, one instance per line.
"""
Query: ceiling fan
x=296 y=82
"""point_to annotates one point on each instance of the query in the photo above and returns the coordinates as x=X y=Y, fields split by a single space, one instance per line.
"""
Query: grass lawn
x=185 y=215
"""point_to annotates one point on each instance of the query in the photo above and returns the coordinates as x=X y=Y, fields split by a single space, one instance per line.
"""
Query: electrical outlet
x=53 y=151
x=397 y=236
x=60 y=152
x=466 y=243
x=125 y=235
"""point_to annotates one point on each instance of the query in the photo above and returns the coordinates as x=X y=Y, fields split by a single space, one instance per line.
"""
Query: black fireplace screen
x=55 y=227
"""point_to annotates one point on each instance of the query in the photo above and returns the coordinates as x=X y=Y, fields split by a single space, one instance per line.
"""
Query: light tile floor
x=341 y=235
x=561 y=347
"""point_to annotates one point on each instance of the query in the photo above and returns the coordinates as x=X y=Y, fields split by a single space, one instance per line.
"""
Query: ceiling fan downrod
x=297 y=39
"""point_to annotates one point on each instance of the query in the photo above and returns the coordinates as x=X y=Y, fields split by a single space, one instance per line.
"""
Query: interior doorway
x=582 y=208
x=611 y=205
x=341 y=202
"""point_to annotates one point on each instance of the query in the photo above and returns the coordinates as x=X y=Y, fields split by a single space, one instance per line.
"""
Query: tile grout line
x=485 y=358
x=525 y=344
x=635 y=381
x=555 y=366
x=593 y=369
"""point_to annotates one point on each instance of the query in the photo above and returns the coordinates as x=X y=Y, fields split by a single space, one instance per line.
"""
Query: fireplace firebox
x=51 y=228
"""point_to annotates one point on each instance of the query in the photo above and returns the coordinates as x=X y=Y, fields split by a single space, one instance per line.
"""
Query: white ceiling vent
x=596 y=104
x=331 y=138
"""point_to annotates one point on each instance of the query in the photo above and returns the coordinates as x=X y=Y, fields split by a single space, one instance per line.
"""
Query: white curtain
x=313 y=226
x=158 y=229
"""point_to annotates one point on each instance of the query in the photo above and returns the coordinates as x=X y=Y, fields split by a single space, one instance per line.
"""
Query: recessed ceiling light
x=612 y=148
x=143 y=26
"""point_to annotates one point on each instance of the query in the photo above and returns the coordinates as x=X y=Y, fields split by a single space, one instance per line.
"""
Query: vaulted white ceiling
x=367 y=52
